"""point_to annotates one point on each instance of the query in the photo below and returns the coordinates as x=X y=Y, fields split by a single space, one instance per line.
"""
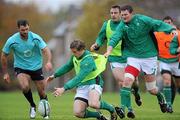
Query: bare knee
x=166 y=79
x=25 y=88
x=153 y=91
x=94 y=104
x=79 y=114
x=127 y=82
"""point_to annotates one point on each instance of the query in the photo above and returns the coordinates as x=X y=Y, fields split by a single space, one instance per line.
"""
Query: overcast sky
x=53 y=5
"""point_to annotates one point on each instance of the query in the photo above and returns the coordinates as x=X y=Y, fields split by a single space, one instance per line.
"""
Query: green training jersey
x=102 y=39
x=136 y=34
x=87 y=65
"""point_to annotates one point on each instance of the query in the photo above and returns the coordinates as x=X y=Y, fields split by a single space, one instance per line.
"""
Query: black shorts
x=35 y=75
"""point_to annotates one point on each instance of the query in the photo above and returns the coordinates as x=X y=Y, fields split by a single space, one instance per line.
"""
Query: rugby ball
x=44 y=108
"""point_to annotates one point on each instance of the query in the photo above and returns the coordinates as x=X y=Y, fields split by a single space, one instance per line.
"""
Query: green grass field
x=13 y=106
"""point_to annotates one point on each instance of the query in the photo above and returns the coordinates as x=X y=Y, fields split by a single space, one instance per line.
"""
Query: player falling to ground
x=27 y=48
x=135 y=30
x=88 y=81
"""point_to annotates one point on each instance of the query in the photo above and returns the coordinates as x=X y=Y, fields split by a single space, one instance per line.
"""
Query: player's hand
x=7 y=78
x=94 y=47
x=174 y=32
x=108 y=52
x=49 y=79
x=58 y=91
x=178 y=50
x=48 y=66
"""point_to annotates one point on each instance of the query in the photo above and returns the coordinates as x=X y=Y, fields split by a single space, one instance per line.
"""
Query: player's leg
x=150 y=71
x=40 y=85
x=166 y=72
x=176 y=81
x=81 y=104
x=173 y=89
x=118 y=73
x=178 y=84
x=95 y=92
x=135 y=91
x=166 y=75
x=37 y=77
x=152 y=88
x=130 y=74
x=24 y=81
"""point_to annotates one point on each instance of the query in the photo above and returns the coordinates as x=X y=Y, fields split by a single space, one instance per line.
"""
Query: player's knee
x=151 y=87
x=78 y=113
x=131 y=72
x=120 y=84
x=129 y=79
x=167 y=80
x=41 y=93
x=25 y=88
x=94 y=104
x=167 y=83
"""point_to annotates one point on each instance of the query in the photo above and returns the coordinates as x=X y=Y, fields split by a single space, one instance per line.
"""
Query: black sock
x=29 y=97
x=135 y=87
x=173 y=90
x=41 y=97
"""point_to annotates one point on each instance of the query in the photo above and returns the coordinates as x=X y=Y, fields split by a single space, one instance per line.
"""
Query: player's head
x=115 y=13
x=126 y=13
x=23 y=27
x=77 y=48
x=168 y=20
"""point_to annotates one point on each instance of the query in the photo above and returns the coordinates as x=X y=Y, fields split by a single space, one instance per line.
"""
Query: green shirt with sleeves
x=87 y=65
x=138 y=41
x=101 y=40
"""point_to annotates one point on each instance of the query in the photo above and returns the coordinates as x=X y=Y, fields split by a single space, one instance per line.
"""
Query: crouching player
x=88 y=81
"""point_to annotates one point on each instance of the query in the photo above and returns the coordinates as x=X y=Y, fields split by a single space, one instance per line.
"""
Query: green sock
x=167 y=94
x=91 y=114
x=160 y=97
x=120 y=97
x=126 y=98
x=106 y=106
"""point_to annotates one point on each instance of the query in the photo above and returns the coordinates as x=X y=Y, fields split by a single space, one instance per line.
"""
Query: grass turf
x=13 y=106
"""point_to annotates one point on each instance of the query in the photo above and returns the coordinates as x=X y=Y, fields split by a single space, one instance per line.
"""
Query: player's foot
x=163 y=105
x=137 y=97
x=131 y=114
x=113 y=116
x=120 y=112
x=46 y=117
x=101 y=117
x=32 y=112
x=169 y=109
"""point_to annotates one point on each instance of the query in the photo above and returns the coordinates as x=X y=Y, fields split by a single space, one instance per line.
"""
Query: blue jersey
x=27 y=53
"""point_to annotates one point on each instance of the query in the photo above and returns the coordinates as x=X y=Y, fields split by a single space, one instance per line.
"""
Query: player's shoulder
x=106 y=21
x=34 y=35
x=13 y=37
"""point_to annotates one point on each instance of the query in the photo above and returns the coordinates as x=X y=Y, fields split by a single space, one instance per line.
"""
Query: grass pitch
x=13 y=106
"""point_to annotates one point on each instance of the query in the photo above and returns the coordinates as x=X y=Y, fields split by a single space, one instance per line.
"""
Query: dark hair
x=116 y=6
x=168 y=18
x=78 y=45
x=22 y=22
x=128 y=8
